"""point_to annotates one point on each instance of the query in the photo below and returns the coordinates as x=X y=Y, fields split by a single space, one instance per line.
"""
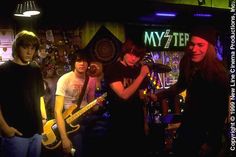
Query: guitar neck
x=84 y=109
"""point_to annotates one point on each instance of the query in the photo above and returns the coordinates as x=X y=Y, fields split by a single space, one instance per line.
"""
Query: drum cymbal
x=160 y=68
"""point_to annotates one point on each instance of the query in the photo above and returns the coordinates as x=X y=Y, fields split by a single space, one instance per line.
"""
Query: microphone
x=159 y=68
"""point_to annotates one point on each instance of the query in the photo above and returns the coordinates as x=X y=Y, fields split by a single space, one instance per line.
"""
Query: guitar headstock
x=101 y=98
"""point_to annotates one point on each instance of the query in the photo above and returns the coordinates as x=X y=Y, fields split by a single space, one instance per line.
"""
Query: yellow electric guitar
x=51 y=137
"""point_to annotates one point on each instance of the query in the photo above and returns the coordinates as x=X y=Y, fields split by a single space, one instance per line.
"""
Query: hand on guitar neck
x=98 y=106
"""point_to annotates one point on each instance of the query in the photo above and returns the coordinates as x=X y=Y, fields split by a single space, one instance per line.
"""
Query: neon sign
x=165 y=40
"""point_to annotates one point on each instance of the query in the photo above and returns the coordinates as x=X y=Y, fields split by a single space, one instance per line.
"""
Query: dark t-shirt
x=21 y=89
x=125 y=113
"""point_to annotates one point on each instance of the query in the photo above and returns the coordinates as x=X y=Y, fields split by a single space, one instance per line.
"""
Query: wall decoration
x=104 y=46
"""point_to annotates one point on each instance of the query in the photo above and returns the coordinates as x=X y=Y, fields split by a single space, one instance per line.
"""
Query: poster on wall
x=172 y=59
x=5 y=53
x=167 y=60
x=6 y=38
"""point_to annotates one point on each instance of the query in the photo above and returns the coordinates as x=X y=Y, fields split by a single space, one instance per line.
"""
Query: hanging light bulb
x=19 y=11
x=30 y=8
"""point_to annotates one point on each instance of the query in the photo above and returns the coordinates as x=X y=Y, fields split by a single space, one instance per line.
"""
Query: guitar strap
x=82 y=91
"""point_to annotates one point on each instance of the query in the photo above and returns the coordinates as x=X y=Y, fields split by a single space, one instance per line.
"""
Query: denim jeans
x=21 y=147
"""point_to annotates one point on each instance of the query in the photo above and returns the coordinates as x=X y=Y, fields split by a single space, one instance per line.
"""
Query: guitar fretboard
x=85 y=108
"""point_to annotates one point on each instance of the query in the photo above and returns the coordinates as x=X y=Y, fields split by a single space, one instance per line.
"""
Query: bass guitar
x=51 y=136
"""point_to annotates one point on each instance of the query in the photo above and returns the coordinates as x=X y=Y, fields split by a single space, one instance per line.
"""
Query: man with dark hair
x=21 y=93
x=68 y=91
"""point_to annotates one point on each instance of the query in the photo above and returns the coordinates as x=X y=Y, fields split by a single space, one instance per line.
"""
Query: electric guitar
x=51 y=136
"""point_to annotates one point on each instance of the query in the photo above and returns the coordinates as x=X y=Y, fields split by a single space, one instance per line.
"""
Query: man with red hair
x=124 y=81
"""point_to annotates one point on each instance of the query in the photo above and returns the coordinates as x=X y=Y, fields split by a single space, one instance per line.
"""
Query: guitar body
x=51 y=136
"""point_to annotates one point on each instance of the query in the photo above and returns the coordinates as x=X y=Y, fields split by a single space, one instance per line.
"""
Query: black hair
x=80 y=55
x=207 y=33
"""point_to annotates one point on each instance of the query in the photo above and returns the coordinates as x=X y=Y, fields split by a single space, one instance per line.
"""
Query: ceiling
x=53 y=11
x=69 y=13
x=223 y=4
